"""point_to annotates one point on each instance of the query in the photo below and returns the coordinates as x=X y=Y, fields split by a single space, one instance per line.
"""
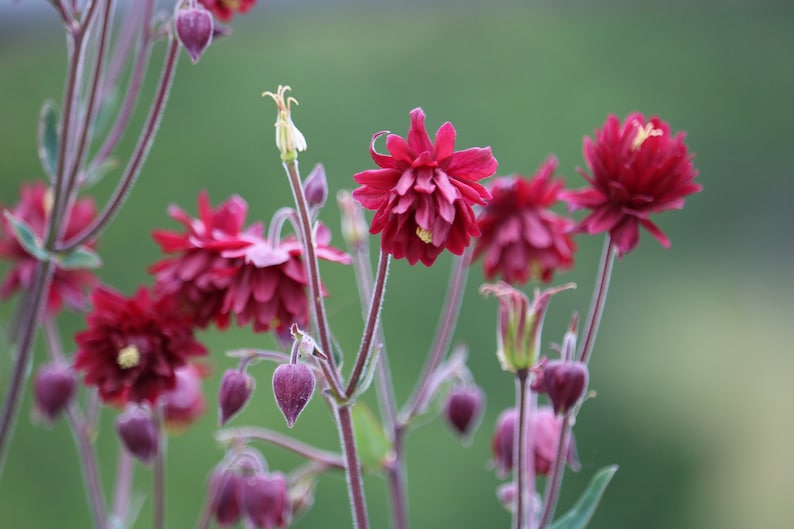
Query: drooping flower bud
x=265 y=500
x=138 y=432
x=502 y=445
x=315 y=187
x=565 y=383
x=463 y=409
x=520 y=323
x=293 y=385
x=53 y=389
x=226 y=503
x=194 y=27
x=236 y=389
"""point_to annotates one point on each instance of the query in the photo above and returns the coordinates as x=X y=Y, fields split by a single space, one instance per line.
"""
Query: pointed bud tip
x=565 y=384
x=194 y=27
x=53 y=389
x=463 y=409
x=236 y=389
x=293 y=385
x=138 y=432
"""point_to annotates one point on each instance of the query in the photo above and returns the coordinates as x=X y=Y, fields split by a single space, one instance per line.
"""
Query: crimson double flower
x=424 y=192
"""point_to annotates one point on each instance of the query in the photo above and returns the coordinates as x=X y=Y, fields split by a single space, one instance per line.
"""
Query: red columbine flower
x=133 y=346
x=424 y=192
x=521 y=237
x=225 y=9
x=68 y=287
x=269 y=282
x=637 y=169
x=197 y=276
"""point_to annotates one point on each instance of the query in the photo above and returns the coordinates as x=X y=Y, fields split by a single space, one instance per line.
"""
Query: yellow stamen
x=128 y=357
x=643 y=133
x=425 y=235
x=47 y=201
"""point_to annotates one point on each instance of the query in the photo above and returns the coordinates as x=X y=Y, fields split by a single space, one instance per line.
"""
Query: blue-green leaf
x=581 y=513
x=371 y=442
x=27 y=238
x=79 y=258
x=48 y=138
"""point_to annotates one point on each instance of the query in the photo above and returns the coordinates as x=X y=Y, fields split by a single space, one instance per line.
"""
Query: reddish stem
x=598 y=300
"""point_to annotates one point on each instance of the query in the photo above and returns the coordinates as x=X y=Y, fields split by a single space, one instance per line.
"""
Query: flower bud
x=194 y=27
x=289 y=140
x=265 y=500
x=354 y=227
x=138 y=432
x=502 y=445
x=463 y=409
x=293 y=385
x=236 y=389
x=565 y=384
x=520 y=324
x=226 y=501
x=315 y=187
x=53 y=389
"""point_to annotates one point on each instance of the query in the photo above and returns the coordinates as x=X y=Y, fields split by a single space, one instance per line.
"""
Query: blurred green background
x=693 y=367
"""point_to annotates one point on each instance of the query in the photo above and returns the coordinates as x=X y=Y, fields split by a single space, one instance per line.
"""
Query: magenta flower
x=637 y=170
x=225 y=9
x=133 y=347
x=69 y=287
x=197 y=275
x=268 y=283
x=521 y=237
x=424 y=192
x=183 y=405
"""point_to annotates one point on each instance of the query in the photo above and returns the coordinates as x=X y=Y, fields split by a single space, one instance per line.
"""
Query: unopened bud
x=53 y=389
x=226 y=501
x=236 y=389
x=504 y=441
x=463 y=409
x=194 y=27
x=138 y=432
x=316 y=187
x=354 y=226
x=265 y=500
x=565 y=384
x=293 y=385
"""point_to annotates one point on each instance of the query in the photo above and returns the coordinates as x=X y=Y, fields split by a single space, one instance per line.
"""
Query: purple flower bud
x=138 y=432
x=504 y=441
x=316 y=187
x=265 y=500
x=293 y=385
x=565 y=383
x=194 y=27
x=226 y=502
x=463 y=409
x=53 y=389
x=236 y=389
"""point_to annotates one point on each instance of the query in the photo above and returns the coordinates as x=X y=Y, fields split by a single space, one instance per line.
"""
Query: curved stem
x=329 y=459
x=312 y=270
x=598 y=300
x=355 y=483
x=371 y=327
x=554 y=482
x=523 y=471
x=138 y=156
x=446 y=326
x=24 y=357
x=133 y=86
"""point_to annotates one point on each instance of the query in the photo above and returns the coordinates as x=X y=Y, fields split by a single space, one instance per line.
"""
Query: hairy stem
x=523 y=471
x=370 y=329
x=554 y=482
x=138 y=156
x=598 y=300
x=329 y=459
x=355 y=483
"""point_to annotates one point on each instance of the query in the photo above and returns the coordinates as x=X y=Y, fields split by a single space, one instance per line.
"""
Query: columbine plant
x=139 y=354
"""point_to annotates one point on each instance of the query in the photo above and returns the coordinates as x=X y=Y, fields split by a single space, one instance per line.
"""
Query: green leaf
x=371 y=441
x=581 y=513
x=96 y=173
x=80 y=257
x=27 y=238
x=48 y=138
